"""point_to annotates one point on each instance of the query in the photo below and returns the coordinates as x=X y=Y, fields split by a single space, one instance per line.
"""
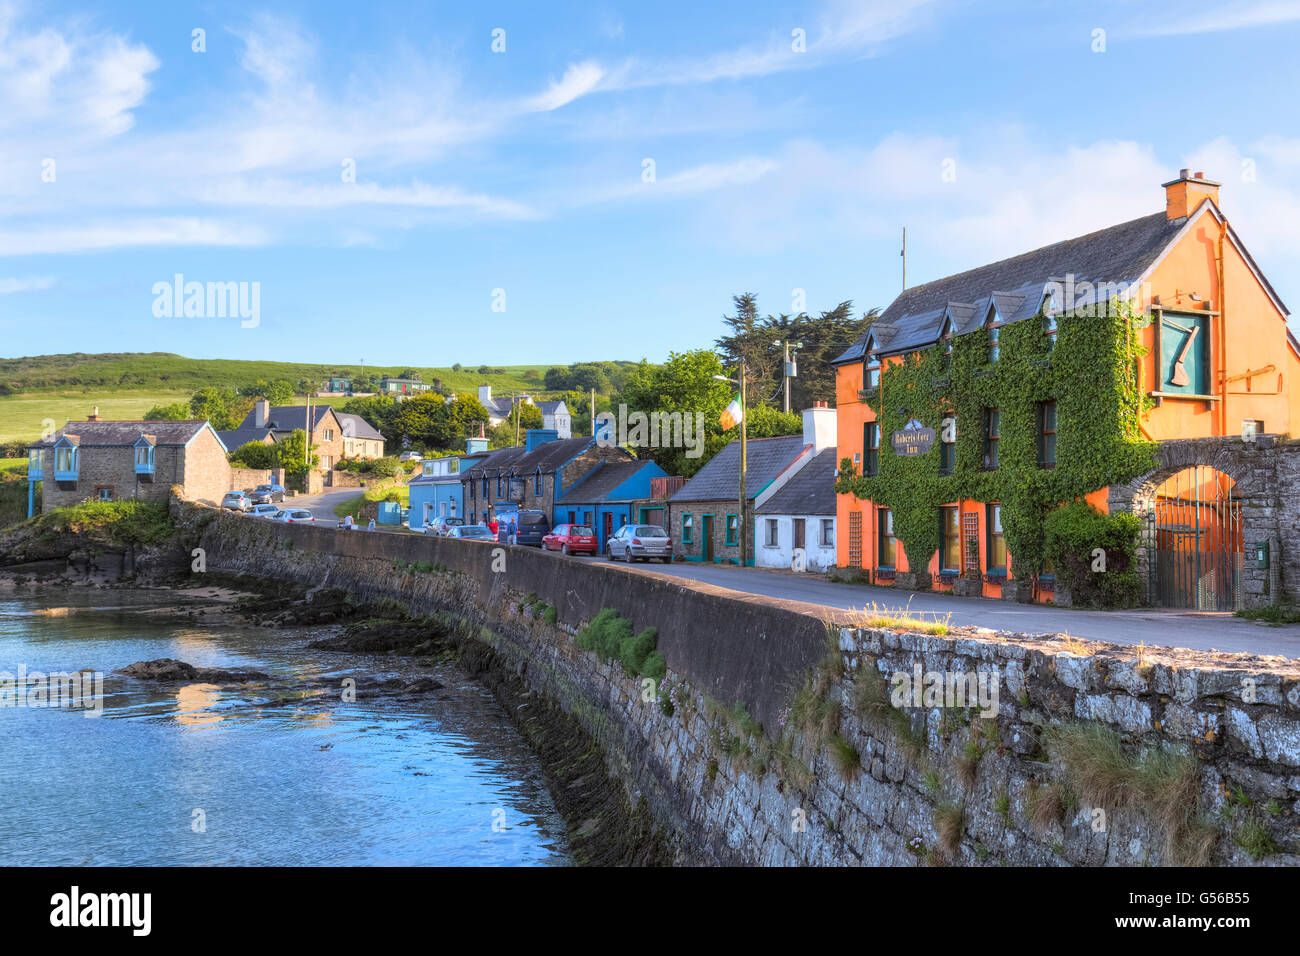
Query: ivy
x=1092 y=374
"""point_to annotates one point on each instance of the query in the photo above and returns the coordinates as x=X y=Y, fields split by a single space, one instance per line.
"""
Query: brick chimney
x=819 y=427
x=1184 y=194
x=94 y=414
x=261 y=413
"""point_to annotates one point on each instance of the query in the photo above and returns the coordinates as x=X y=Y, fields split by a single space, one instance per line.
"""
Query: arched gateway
x=1207 y=510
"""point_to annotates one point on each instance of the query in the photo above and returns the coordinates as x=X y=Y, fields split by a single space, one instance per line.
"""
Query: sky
x=546 y=183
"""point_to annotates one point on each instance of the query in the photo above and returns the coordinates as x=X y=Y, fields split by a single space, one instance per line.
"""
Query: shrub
x=636 y=649
x=118 y=522
x=385 y=467
x=655 y=666
x=1073 y=532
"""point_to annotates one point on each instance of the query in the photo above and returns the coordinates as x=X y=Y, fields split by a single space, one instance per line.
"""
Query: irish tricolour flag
x=732 y=414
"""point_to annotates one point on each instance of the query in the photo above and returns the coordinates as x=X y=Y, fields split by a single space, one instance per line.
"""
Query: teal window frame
x=688 y=529
x=1046 y=454
x=992 y=438
x=947 y=449
x=730 y=534
x=871 y=449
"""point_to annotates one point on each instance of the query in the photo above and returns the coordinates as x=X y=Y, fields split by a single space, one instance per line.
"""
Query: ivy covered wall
x=1091 y=372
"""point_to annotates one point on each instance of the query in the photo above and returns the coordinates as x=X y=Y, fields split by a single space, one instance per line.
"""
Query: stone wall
x=1200 y=753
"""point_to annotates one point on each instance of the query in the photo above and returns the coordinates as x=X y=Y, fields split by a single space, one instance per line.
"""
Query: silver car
x=640 y=542
x=236 y=501
x=263 y=511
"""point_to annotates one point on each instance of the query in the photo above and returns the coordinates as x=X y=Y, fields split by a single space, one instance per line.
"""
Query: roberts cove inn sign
x=913 y=439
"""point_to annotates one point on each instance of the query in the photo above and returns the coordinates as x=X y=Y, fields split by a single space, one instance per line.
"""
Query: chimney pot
x=1184 y=173
x=1200 y=175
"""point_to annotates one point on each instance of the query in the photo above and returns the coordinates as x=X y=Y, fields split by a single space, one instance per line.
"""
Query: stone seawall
x=773 y=739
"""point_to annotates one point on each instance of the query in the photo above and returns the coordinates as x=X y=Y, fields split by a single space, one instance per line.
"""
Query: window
x=65 y=463
x=329 y=434
x=871 y=446
x=887 y=554
x=946 y=339
x=688 y=528
x=500 y=486
x=1049 y=329
x=950 y=537
x=948 y=444
x=453 y=466
x=103 y=492
x=473 y=491
x=997 y=550
x=537 y=482
x=35 y=466
x=871 y=372
x=733 y=528
x=992 y=433
x=1047 y=434
x=773 y=538
x=828 y=532
x=995 y=350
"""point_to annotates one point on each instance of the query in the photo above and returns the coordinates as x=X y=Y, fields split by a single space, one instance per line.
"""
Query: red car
x=570 y=539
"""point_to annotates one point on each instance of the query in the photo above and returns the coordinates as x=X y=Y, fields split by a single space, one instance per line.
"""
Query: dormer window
x=871 y=365
x=992 y=325
x=143 y=457
x=35 y=465
x=537 y=482
x=946 y=340
x=1049 y=329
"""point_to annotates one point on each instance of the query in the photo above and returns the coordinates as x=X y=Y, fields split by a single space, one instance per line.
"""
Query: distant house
x=532 y=476
x=338 y=386
x=799 y=516
x=118 y=460
x=437 y=491
x=267 y=424
x=611 y=495
x=403 y=386
x=705 y=517
x=556 y=415
x=361 y=440
x=500 y=409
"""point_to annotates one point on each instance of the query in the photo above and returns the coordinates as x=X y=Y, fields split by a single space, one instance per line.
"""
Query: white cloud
x=31 y=284
x=578 y=80
x=99 y=236
x=1231 y=16
x=284 y=194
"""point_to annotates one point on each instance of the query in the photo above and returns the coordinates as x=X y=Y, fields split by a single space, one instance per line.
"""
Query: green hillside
x=168 y=372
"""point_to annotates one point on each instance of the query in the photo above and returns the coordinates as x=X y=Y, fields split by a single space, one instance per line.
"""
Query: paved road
x=1199 y=631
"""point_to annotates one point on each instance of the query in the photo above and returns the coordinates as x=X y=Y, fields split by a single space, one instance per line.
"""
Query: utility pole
x=741 y=524
x=788 y=369
x=514 y=401
x=904 y=255
x=593 y=413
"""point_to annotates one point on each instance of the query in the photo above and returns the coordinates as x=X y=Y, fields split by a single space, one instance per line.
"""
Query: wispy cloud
x=578 y=79
x=31 y=284
x=99 y=236
x=1222 y=17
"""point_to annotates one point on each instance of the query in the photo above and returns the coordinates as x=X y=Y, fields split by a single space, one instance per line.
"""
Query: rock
x=167 y=669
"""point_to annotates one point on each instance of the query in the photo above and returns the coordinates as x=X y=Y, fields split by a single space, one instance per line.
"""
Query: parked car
x=296 y=516
x=236 y=501
x=473 y=532
x=410 y=456
x=640 y=542
x=263 y=511
x=443 y=524
x=267 y=494
x=530 y=528
x=570 y=539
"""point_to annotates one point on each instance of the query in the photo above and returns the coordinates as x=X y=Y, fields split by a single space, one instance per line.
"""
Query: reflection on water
x=276 y=772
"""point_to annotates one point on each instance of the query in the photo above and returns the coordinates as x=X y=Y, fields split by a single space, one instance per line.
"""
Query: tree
x=254 y=454
x=177 y=412
x=416 y=420
x=379 y=411
x=457 y=420
x=682 y=384
x=215 y=405
x=291 y=452
x=279 y=392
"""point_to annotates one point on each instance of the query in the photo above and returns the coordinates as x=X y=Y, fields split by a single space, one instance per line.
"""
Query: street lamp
x=741 y=524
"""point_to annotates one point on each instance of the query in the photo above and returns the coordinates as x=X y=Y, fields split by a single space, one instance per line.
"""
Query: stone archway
x=1252 y=469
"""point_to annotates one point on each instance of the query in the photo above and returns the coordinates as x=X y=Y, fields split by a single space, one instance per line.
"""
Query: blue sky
x=775 y=169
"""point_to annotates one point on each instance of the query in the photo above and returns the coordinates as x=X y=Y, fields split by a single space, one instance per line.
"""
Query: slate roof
x=360 y=427
x=719 y=480
x=91 y=434
x=548 y=457
x=598 y=484
x=810 y=492
x=1016 y=286
x=287 y=418
x=423 y=479
x=550 y=408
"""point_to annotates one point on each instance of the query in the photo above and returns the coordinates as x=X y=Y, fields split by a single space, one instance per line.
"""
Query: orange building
x=1217 y=359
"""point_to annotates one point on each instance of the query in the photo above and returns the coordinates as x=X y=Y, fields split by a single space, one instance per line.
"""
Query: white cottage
x=796 y=512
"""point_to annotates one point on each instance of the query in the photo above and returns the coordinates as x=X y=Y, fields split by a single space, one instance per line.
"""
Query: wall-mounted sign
x=914 y=439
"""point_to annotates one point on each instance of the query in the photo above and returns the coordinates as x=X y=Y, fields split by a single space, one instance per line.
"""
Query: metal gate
x=1195 y=539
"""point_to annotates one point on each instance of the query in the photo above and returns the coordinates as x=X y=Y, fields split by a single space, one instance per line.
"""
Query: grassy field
x=389 y=489
x=165 y=371
x=21 y=415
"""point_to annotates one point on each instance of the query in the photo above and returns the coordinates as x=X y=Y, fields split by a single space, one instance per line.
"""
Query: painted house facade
x=532 y=476
x=438 y=490
x=797 y=520
x=267 y=424
x=611 y=495
x=120 y=460
x=1041 y=378
x=403 y=386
